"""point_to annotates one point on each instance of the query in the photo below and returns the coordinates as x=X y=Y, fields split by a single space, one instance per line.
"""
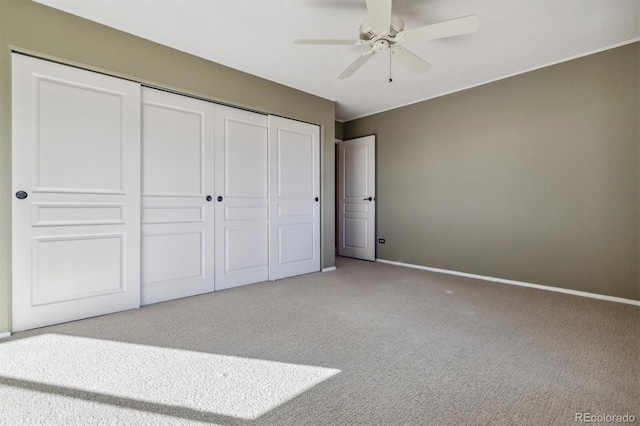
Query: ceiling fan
x=383 y=32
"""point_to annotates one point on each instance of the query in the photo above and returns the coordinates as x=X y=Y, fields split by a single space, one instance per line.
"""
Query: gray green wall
x=339 y=130
x=534 y=178
x=45 y=32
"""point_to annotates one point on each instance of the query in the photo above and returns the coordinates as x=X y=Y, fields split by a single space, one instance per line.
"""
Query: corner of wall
x=327 y=160
x=339 y=130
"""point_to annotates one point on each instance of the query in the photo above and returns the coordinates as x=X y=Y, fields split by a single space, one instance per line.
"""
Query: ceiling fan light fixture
x=366 y=33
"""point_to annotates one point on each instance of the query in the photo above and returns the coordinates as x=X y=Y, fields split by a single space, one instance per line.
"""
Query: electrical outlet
x=381 y=240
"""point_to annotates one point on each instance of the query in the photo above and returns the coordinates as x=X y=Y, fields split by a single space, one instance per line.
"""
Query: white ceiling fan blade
x=379 y=15
x=409 y=60
x=328 y=41
x=356 y=65
x=466 y=25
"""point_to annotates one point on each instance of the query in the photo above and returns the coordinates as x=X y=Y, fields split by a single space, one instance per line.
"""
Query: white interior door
x=241 y=198
x=294 y=247
x=177 y=176
x=76 y=159
x=357 y=198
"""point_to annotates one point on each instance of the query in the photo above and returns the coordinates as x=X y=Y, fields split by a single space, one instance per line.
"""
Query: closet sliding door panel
x=242 y=194
x=177 y=175
x=76 y=180
x=294 y=204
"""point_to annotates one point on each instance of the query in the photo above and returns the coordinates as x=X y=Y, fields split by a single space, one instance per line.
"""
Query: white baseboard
x=519 y=283
x=5 y=335
x=329 y=269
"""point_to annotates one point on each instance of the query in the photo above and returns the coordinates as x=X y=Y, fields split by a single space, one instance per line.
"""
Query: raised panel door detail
x=297 y=243
x=79 y=138
x=295 y=164
x=355 y=207
x=355 y=172
x=172 y=214
x=296 y=211
x=355 y=235
x=74 y=267
x=77 y=214
x=236 y=242
x=245 y=155
x=172 y=149
x=170 y=257
x=245 y=213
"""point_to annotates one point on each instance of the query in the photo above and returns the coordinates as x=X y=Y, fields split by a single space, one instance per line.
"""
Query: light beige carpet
x=366 y=344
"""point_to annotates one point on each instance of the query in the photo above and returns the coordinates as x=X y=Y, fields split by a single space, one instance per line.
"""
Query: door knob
x=316 y=199
x=219 y=198
x=209 y=198
x=368 y=199
x=21 y=195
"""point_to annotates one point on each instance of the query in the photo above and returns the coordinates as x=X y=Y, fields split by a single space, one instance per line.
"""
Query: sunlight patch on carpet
x=218 y=384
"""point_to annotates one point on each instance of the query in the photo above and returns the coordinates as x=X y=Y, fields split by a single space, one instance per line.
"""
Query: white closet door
x=294 y=204
x=76 y=158
x=242 y=196
x=177 y=176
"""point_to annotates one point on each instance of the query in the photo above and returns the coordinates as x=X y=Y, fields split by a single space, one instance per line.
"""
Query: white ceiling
x=256 y=36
